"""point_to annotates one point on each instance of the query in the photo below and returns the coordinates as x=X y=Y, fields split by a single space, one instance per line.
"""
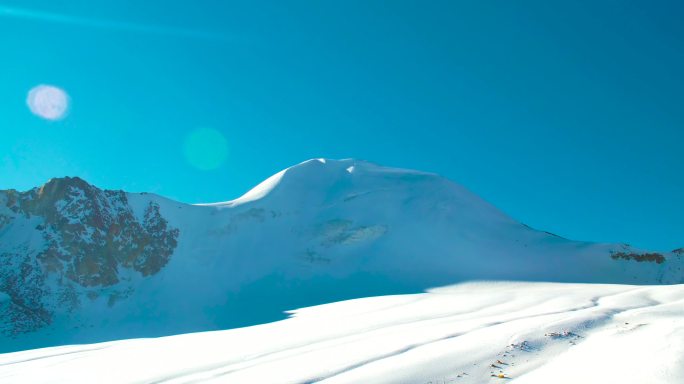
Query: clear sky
x=566 y=115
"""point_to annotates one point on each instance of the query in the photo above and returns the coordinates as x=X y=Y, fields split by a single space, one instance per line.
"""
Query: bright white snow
x=468 y=333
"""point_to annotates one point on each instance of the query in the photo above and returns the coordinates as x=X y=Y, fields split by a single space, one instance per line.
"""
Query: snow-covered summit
x=318 y=183
x=317 y=176
x=83 y=264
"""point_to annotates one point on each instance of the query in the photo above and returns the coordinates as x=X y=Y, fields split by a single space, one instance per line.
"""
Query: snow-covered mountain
x=81 y=264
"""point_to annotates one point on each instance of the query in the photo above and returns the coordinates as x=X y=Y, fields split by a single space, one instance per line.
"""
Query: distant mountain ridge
x=81 y=264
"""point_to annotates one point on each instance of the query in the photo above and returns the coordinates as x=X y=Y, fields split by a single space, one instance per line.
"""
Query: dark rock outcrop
x=76 y=239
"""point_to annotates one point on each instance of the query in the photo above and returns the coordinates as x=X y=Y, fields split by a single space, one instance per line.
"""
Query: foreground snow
x=468 y=333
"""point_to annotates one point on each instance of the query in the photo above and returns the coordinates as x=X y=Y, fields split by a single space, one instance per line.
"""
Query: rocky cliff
x=68 y=241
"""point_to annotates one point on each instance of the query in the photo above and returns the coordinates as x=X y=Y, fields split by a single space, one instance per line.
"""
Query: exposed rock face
x=83 y=239
x=649 y=257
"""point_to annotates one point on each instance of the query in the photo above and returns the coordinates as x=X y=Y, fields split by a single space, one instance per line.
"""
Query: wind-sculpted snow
x=468 y=333
x=82 y=265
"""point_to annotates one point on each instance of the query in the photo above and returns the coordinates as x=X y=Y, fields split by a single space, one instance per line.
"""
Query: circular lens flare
x=48 y=102
x=205 y=149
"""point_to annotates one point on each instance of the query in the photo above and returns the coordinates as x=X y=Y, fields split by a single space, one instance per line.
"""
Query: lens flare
x=205 y=149
x=48 y=102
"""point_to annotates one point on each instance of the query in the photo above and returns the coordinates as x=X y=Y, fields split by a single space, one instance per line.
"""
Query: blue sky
x=566 y=115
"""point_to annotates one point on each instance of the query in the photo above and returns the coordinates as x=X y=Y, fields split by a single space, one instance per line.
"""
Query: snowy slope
x=79 y=264
x=467 y=333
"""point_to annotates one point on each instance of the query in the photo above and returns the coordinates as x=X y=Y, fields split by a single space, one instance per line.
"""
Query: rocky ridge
x=72 y=240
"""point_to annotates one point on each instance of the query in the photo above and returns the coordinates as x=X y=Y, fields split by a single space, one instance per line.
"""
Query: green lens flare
x=205 y=149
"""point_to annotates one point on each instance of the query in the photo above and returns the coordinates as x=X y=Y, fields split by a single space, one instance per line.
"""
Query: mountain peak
x=349 y=165
x=57 y=185
x=321 y=176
